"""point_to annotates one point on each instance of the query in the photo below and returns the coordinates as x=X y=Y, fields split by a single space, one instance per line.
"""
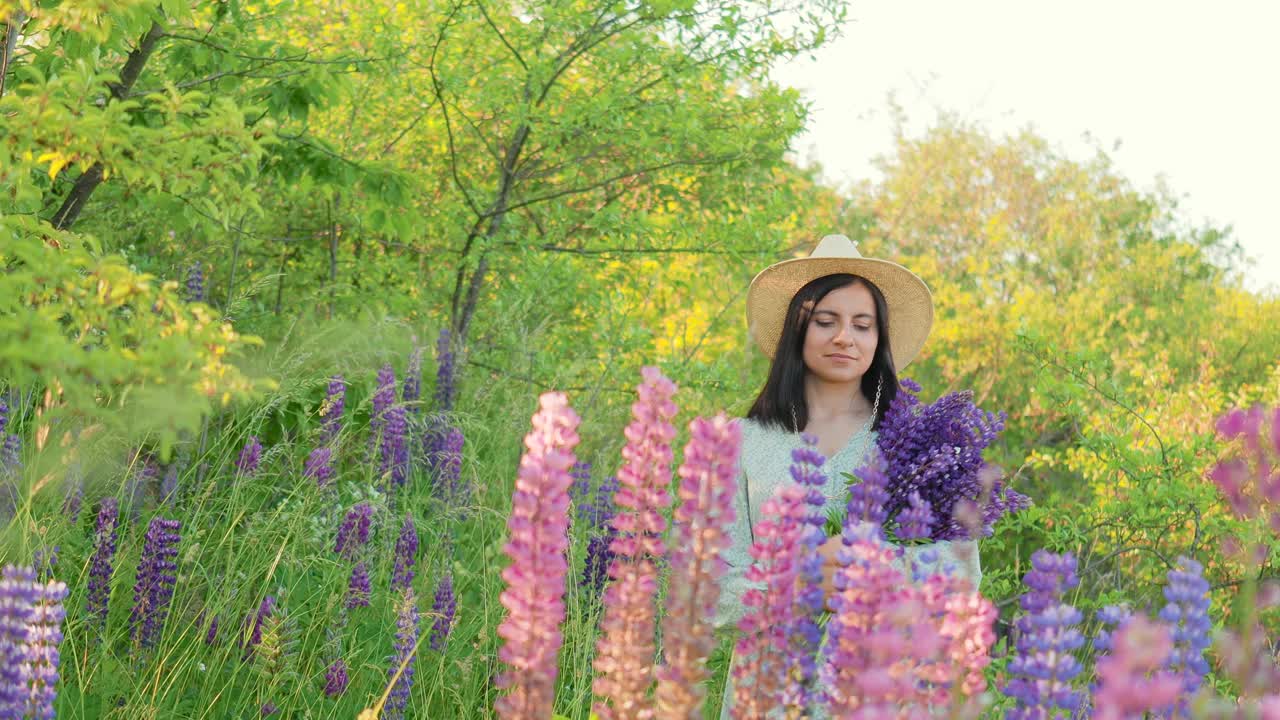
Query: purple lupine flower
x=450 y=468
x=443 y=607
x=195 y=282
x=250 y=455
x=595 y=569
x=383 y=398
x=317 y=466
x=406 y=555
x=405 y=646
x=538 y=529
x=936 y=450
x=411 y=392
x=700 y=527
x=44 y=635
x=169 y=485
x=335 y=678
x=11 y=455
x=101 y=565
x=1187 y=614
x=253 y=625
x=395 y=445
x=1044 y=665
x=211 y=635
x=914 y=522
x=18 y=597
x=445 y=387
x=805 y=634
x=4 y=416
x=1110 y=619
x=74 y=500
x=594 y=509
x=268 y=708
x=154 y=587
x=866 y=512
x=331 y=410
x=354 y=531
x=358 y=587
x=45 y=560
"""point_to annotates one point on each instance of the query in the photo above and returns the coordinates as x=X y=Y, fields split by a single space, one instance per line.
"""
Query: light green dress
x=764 y=464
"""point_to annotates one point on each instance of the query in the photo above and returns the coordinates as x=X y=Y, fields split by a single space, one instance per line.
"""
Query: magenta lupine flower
x=1132 y=680
x=762 y=664
x=353 y=533
x=1187 y=614
x=411 y=392
x=318 y=466
x=101 y=565
x=154 y=587
x=1042 y=671
x=1250 y=481
x=195 y=282
x=335 y=678
x=538 y=530
x=358 y=587
x=966 y=622
x=383 y=398
x=405 y=646
x=250 y=455
x=395 y=445
x=406 y=555
x=443 y=607
x=446 y=387
x=700 y=537
x=44 y=636
x=625 y=650
x=331 y=410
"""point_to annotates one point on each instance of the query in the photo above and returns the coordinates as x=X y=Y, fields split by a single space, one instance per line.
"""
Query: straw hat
x=910 y=303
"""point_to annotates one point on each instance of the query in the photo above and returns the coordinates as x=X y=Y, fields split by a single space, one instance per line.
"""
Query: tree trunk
x=91 y=178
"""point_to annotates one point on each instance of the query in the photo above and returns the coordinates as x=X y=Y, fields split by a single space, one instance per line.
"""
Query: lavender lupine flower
x=154 y=587
x=805 y=633
x=211 y=635
x=353 y=533
x=405 y=646
x=395 y=445
x=1044 y=666
x=866 y=511
x=1110 y=619
x=45 y=560
x=1132 y=679
x=446 y=389
x=169 y=485
x=449 y=477
x=195 y=282
x=73 y=502
x=411 y=392
x=700 y=537
x=1187 y=614
x=538 y=529
x=767 y=655
x=331 y=410
x=250 y=455
x=443 y=608
x=625 y=650
x=335 y=678
x=383 y=398
x=936 y=450
x=11 y=455
x=358 y=587
x=254 y=624
x=268 y=709
x=914 y=522
x=317 y=466
x=406 y=555
x=18 y=597
x=44 y=635
x=101 y=565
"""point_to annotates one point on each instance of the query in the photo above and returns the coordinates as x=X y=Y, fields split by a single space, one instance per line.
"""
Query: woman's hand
x=830 y=551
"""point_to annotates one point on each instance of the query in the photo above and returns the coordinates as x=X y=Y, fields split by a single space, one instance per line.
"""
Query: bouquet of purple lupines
x=932 y=456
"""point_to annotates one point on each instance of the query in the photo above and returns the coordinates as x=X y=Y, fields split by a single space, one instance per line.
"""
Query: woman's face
x=841 y=338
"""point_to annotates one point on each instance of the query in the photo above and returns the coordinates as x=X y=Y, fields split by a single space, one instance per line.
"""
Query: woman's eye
x=824 y=323
x=864 y=328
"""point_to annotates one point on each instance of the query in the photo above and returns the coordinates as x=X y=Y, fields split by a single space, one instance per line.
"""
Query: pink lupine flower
x=624 y=656
x=965 y=619
x=539 y=535
x=763 y=646
x=1132 y=679
x=700 y=537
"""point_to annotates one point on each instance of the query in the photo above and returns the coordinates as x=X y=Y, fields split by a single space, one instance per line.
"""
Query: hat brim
x=908 y=298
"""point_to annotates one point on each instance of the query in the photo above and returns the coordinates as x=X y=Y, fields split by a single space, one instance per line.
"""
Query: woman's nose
x=845 y=336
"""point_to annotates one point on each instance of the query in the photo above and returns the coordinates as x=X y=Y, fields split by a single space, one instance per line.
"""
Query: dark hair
x=783 y=391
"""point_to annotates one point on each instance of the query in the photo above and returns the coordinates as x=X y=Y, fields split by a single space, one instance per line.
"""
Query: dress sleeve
x=737 y=557
x=956 y=557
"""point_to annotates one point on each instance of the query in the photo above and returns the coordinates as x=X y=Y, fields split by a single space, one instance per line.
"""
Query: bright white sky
x=1191 y=90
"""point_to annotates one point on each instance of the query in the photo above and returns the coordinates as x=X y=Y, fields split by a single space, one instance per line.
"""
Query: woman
x=838 y=327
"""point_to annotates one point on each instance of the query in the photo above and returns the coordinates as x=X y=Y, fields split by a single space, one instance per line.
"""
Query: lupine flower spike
x=1132 y=679
x=625 y=651
x=443 y=608
x=446 y=389
x=538 y=538
x=1187 y=614
x=250 y=455
x=154 y=587
x=1047 y=636
x=805 y=634
x=335 y=678
x=405 y=654
x=405 y=555
x=331 y=410
x=700 y=537
x=102 y=564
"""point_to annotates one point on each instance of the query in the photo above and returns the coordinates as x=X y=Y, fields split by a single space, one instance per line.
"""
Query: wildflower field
x=383 y=362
